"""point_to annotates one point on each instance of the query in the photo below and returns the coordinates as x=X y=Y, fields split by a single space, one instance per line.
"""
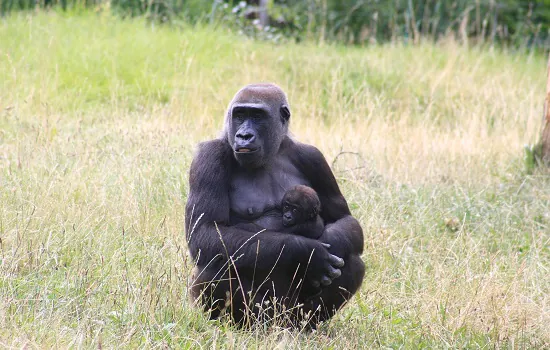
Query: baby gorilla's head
x=300 y=204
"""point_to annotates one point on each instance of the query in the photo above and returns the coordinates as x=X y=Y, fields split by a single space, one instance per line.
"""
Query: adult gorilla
x=239 y=180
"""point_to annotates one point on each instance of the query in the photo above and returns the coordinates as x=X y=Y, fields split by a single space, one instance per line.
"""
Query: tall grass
x=99 y=118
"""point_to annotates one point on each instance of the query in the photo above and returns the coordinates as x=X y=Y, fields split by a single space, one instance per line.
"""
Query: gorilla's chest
x=256 y=196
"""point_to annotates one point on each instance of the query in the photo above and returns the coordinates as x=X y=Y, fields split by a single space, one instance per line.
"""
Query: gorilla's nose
x=246 y=136
x=287 y=216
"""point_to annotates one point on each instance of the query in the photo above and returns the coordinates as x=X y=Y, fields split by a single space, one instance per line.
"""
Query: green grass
x=99 y=118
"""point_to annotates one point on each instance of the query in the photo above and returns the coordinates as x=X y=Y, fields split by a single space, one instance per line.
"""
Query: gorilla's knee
x=210 y=288
x=352 y=274
x=336 y=295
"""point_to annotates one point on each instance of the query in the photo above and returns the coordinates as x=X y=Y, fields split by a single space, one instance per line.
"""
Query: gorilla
x=240 y=179
x=301 y=207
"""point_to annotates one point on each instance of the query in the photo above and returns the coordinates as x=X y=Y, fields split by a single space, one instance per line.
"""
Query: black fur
x=236 y=184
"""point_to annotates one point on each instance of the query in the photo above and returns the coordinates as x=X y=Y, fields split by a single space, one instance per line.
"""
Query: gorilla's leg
x=334 y=296
x=248 y=300
x=218 y=290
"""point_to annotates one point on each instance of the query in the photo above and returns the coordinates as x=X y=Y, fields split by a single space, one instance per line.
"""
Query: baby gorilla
x=301 y=207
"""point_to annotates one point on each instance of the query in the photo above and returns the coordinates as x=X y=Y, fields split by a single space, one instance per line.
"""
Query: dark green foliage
x=518 y=22
x=523 y=23
x=163 y=10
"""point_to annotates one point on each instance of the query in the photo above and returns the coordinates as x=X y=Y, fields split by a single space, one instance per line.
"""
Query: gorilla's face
x=292 y=215
x=300 y=204
x=252 y=137
x=256 y=124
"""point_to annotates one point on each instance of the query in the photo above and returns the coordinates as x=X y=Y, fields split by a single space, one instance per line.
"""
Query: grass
x=99 y=118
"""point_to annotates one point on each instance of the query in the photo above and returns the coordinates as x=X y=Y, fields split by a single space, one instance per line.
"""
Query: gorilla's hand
x=345 y=237
x=322 y=267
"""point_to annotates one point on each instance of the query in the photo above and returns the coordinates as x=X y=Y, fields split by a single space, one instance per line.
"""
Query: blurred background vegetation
x=513 y=23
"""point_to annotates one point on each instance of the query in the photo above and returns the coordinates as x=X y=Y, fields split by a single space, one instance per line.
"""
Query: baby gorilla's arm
x=311 y=229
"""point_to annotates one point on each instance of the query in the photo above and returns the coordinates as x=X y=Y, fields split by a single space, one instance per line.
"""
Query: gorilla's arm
x=342 y=231
x=208 y=205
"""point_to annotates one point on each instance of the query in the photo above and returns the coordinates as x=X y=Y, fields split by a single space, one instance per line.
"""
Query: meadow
x=99 y=119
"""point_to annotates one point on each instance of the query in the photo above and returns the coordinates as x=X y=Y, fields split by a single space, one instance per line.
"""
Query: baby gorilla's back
x=301 y=207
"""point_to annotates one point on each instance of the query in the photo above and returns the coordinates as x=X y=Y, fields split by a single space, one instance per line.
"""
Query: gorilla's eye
x=238 y=116
x=294 y=211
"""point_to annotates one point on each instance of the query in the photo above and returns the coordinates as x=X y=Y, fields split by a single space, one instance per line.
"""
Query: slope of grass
x=99 y=118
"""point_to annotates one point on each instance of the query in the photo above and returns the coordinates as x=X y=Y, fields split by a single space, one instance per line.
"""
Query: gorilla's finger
x=325 y=281
x=315 y=284
x=326 y=245
x=334 y=273
x=336 y=261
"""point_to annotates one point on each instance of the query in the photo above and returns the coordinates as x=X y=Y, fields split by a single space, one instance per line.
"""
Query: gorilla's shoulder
x=213 y=149
x=212 y=158
x=306 y=152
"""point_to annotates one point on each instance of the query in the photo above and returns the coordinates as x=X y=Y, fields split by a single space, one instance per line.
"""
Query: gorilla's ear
x=313 y=213
x=285 y=113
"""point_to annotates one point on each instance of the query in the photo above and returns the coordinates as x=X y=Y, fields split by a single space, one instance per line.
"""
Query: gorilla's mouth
x=246 y=150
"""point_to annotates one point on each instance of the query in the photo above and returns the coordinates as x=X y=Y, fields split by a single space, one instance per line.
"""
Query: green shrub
x=509 y=22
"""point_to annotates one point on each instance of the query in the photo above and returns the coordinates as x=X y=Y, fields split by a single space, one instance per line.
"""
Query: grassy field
x=99 y=119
